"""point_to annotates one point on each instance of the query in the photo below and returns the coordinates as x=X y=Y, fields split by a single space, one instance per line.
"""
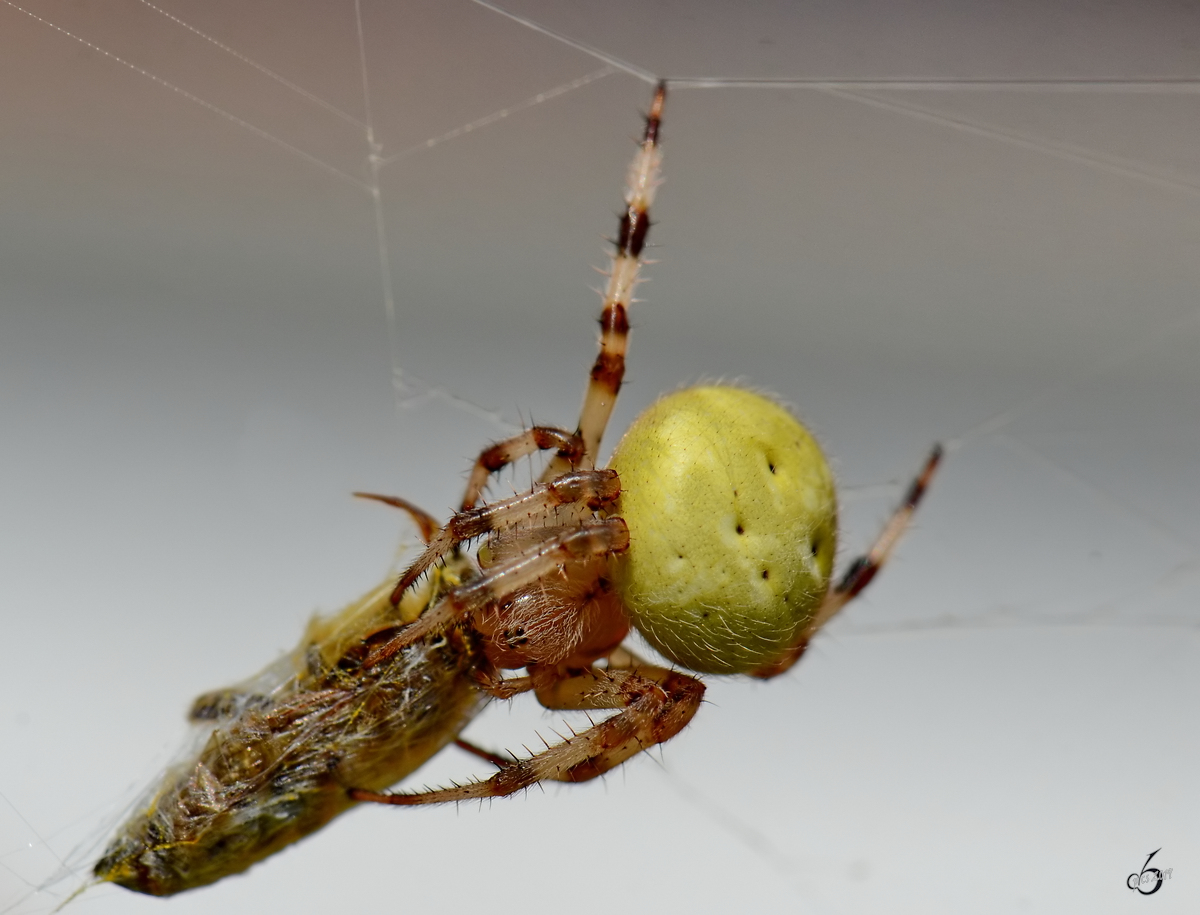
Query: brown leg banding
x=608 y=371
x=569 y=448
x=862 y=570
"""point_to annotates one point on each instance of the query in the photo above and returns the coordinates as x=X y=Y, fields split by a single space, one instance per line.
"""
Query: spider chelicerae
x=712 y=532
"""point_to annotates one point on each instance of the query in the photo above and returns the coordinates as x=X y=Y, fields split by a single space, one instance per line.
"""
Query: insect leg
x=426 y=524
x=863 y=569
x=538 y=438
x=609 y=367
x=500 y=762
x=655 y=705
x=591 y=488
x=501 y=688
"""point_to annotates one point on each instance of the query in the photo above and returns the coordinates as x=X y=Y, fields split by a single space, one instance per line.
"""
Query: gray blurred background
x=196 y=368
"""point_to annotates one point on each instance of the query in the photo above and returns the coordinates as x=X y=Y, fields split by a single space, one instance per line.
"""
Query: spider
x=712 y=532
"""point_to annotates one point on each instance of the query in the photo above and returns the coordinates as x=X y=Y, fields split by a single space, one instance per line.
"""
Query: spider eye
x=728 y=501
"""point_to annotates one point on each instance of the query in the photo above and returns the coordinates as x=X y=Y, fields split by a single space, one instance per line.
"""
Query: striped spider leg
x=862 y=570
x=604 y=382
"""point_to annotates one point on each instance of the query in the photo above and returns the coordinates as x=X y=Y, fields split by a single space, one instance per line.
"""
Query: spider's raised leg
x=592 y=489
x=569 y=446
x=655 y=704
x=609 y=367
x=863 y=569
x=577 y=543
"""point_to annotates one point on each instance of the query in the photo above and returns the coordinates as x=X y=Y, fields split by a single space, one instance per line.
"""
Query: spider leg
x=537 y=438
x=655 y=704
x=576 y=543
x=609 y=367
x=591 y=488
x=427 y=525
x=862 y=570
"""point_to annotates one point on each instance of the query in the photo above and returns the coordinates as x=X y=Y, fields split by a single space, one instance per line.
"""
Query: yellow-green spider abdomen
x=732 y=517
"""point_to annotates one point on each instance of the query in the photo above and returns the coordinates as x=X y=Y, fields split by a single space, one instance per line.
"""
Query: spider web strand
x=1150 y=85
x=266 y=71
x=192 y=97
x=499 y=115
x=1067 y=152
x=610 y=59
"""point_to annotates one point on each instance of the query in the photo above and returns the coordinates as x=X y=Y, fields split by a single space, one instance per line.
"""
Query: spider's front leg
x=655 y=704
x=608 y=371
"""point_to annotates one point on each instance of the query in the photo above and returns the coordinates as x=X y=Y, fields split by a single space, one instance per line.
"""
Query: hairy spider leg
x=569 y=446
x=591 y=488
x=609 y=368
x=862 y=570
x=655 y=704
x=576 y=543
